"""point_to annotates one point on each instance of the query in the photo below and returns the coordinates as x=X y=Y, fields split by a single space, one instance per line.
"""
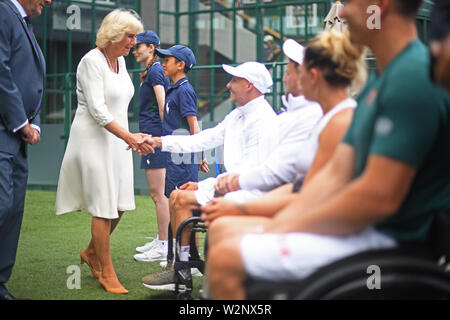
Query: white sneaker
x=147 y=246
x=194 y=271
x=156 y=253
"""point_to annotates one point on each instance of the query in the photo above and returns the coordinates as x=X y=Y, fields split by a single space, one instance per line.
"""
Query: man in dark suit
x=22 y=72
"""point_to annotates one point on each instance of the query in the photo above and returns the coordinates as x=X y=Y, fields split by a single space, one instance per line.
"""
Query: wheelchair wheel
x=400 y=277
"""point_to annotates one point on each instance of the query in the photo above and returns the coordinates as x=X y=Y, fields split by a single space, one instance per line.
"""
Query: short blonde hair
x=341 y=61
x=116 y=24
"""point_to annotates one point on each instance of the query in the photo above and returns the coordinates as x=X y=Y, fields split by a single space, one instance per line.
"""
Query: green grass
x=49 y=244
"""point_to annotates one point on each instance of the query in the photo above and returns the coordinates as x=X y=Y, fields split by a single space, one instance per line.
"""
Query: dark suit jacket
x=22 y=72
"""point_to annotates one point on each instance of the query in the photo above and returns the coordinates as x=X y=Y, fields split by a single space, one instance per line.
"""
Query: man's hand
x=30 y=135
x=136 y=141
x=141 y=143
x=154 y=142
x=227 y=182
x=149 y=144
x=146 y=145
x=192 y=186
x=203 y=166
x=219 y=207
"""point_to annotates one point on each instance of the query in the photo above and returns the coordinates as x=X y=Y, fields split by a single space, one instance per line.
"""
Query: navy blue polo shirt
x=181 y=102
x=149 y=119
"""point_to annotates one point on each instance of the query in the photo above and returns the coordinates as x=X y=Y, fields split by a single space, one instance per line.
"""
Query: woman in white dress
x=97 y=170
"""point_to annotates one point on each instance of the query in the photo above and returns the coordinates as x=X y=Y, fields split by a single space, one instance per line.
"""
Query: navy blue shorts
x=177 y=175
x=155 y=160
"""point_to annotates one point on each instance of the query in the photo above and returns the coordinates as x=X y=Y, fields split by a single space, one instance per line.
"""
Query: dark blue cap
x=180 y=52
x=148 y=36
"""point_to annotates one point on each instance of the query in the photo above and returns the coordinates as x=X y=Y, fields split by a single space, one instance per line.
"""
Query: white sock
x=184 y=254
x=163 y=243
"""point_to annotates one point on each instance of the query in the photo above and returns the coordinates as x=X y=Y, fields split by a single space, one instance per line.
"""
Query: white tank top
x=322 y=123
x=305 y=159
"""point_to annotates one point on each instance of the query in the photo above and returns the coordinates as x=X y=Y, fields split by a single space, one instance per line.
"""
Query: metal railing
x=233 y=10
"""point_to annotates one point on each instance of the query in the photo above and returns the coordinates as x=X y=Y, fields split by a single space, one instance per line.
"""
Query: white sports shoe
x=156 y=253
x=196 y=273
x=147 y=246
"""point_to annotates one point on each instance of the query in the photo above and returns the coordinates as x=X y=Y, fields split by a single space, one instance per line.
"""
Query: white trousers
x=294 y=256
x=205 y=193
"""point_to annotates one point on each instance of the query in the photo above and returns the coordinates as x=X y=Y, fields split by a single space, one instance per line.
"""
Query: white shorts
x=292 y=256
x=206 y=190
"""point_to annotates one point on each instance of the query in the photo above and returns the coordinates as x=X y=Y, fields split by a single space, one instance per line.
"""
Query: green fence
x=61 y=91
x=221 y=23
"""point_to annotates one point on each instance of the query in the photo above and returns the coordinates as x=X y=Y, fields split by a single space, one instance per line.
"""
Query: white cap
x=268 y=38
x=294 y=50
x=253 y=72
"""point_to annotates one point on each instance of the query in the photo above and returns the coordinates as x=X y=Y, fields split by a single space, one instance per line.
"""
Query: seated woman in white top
x=332 y=68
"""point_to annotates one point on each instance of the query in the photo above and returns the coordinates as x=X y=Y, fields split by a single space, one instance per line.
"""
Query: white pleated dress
x=97 y=171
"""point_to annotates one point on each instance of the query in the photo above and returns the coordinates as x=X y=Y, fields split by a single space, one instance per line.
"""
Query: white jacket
x=282 y=166
x=248 y=134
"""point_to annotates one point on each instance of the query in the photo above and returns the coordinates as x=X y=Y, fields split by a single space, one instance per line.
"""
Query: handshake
x=143 y=143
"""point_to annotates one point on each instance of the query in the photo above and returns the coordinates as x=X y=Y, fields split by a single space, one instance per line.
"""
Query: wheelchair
x=183 y=286
x=405 y=272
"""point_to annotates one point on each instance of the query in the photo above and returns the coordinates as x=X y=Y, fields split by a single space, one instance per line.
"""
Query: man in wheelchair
x=294 y=129
x=385 y=183
x=245 y=134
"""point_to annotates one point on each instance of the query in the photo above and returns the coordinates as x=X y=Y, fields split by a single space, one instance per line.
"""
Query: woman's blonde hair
x=341 y=61
x=116 y=24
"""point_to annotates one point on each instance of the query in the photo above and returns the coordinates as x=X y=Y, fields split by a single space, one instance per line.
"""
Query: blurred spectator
x=271 y=49
x=440 y=43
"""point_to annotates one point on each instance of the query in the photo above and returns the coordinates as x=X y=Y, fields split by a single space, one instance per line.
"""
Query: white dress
x=97 y=171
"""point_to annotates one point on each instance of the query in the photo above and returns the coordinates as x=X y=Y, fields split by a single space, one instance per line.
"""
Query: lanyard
x=37 y=109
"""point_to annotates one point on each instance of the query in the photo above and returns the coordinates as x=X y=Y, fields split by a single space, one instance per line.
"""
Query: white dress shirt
x=295 y=126
x=248 y=134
